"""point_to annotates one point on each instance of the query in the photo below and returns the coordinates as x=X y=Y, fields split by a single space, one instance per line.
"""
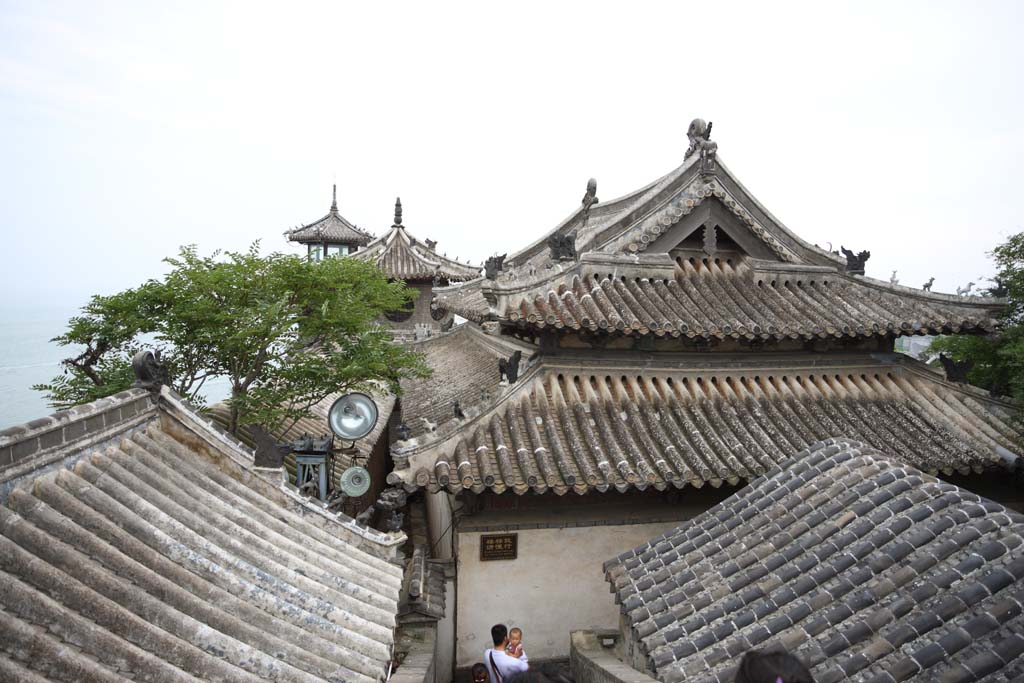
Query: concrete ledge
x=418 y=645
x=593 y=663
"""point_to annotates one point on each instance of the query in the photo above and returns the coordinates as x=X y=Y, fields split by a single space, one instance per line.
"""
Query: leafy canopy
x=998 y=360
x=284 y=330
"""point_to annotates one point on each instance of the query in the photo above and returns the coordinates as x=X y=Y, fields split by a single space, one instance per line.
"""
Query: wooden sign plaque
x=499 y=547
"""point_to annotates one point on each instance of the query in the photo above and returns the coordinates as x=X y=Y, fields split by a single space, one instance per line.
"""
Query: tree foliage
x=284 y=330
x=998 y=359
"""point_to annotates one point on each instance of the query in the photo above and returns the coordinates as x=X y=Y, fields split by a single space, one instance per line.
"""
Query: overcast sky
x=128 y=129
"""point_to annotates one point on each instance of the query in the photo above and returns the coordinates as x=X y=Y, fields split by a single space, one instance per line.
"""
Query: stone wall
x=418 y=645
x=54 y=441
x=592 y=662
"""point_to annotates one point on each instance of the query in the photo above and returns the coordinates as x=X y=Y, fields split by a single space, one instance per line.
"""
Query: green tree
x=285 y=331
x=998 y=359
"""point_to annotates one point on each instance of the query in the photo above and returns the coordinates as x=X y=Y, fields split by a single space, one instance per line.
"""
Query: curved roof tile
x=864 y=567
x=574 y=429
x=332 y=228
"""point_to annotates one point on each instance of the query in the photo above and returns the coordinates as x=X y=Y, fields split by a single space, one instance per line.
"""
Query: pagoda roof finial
x=334 y=199
x=398 y=213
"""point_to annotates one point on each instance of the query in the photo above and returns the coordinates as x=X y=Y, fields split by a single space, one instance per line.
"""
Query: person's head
x=769 y=666
x=515 y=636
x=479 y=672
x=499 y=634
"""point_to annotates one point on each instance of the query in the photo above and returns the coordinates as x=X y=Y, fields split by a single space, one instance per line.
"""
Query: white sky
x=128 y=129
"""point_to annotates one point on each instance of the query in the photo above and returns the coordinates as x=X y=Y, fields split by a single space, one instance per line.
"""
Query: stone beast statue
x=855 y=262
x=389 y=503
x=509 y=369
x=563 y=247
x=493 y=266
x=699 y=134
x=590 y=198
x=956 y=371
x=150 y=373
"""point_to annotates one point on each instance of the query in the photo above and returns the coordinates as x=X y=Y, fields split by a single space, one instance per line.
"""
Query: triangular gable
x=664 y=220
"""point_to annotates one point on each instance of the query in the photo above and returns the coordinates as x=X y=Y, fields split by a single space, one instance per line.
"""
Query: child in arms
x=515 y=644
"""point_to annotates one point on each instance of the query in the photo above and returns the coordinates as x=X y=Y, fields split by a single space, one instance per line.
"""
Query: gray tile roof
x=402 y=257
x=605 y=425
x=163 y=556
x=863 y=566
x=423 y=589
x=333 y=229
x=724 y=299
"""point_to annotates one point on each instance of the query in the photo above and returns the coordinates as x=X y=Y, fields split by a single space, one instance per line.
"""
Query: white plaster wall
x=553 y=587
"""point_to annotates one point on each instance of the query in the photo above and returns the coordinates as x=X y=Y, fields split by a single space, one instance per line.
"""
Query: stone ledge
x=592 y=663
x=36 y=443
x=419 y=644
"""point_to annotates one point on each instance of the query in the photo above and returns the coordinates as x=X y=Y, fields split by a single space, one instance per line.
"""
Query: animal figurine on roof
x=150 y=372
x=493 y=266
x=927 y=287
x=563 y=247
x=590 y=198
x=390 y=501
x=893 y=280
x=699 y=134
x=956 y=371
x=964 y=291
x=509 y=369
x=855 y=262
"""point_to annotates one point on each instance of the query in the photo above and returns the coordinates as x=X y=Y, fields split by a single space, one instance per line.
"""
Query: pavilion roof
x=332 y=228
x=403 y=257
x=859 y=564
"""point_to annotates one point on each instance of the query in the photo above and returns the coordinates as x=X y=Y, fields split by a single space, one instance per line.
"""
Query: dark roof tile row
x=149 y=561
x=716 y=298
x=863 y=566
x=562 y=431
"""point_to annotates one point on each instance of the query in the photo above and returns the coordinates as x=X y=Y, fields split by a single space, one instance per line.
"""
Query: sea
x=28 y=357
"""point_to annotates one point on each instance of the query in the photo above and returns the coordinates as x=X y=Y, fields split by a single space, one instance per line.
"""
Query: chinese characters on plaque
x=499 y=547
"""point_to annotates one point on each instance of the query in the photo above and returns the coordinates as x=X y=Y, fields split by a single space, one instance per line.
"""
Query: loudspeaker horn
x=352 y=416
x=355 y=481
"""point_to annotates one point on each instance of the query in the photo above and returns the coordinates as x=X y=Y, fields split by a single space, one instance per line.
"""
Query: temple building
x=669 y=393
x=642 y=362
